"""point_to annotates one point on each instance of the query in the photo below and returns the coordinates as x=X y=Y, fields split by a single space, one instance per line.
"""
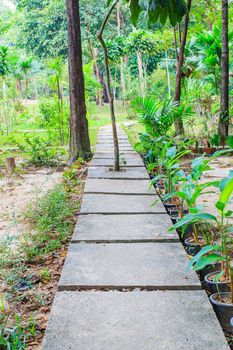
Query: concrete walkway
x=124 y=285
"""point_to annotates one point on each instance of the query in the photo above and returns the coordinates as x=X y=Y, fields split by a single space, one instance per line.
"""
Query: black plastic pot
x=174 y=214
x=191 y=247
x=207 y=270
x=213 y=288
x=185 y=233
x=223 y=311
x=169 y=205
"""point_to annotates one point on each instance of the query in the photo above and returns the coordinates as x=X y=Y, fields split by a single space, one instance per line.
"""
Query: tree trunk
x=60 y=110
x=223 y=127
x=10 y=165
x=35 y=88
x=179 y=126
x=79 y=137
x=109 y=89
x=168 y=75
x=99 y=96
x=105 y=93
x=122 y=66
x=140 y=74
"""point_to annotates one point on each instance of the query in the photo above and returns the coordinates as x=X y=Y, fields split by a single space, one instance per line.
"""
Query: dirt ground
x=220 y=170
x=17 y=192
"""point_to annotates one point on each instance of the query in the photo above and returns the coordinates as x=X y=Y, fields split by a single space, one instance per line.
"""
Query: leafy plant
x=40 y=152
x=218 y=252
x=169 y=169
x=158 y=118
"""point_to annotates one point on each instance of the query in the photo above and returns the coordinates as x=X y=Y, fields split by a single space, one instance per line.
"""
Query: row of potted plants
x=208 y=238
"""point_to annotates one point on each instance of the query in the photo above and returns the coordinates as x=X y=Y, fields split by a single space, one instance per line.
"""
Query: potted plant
x=220 y=251
x=190 y=190
x=170 y=171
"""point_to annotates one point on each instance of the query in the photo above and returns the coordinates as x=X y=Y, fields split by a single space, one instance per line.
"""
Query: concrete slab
x=110 y=155
x=125 y=173
x=118 y=186
x=133 y=321
x=104 y=148
x=121 y=265
x=121 y=204
x=110 y=142
x=124 y=161
x=124 y=228
x=109 y=137
x=109 y=133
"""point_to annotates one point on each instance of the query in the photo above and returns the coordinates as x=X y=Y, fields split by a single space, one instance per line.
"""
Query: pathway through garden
x=124 y=284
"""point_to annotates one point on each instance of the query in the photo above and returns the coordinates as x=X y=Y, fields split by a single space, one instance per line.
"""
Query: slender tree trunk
x=223 y=127
x=99 y=97
x=26 y=89
x=109 y=88
x=35 y=88
x=179 y=126
x=79 y=137
x=60 y=110
x=140 y=73
x=175 y=44
x=168 y=75
x=122 y=68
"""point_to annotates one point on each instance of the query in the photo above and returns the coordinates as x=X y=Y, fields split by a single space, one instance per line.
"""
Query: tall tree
x=224 y=108
x=180 y=62
x=109 y=88
x=79 y=137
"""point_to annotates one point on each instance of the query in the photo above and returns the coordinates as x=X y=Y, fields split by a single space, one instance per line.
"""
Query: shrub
x=39 y=152
x=54 y=117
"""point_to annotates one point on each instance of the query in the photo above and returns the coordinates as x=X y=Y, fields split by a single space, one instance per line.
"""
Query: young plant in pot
x=190 y=190
x=171 y=172
x=220 y=282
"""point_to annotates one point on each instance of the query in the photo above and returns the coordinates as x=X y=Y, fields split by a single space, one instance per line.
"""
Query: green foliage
x=43 y=27
x=54 y=119
x=142 y=41
x=39 y=152
x=15 y=336
x=215 y=140
x=51 y=219
x=159 y=118
x=158 y=10
x=4 y=65
x=70 y=176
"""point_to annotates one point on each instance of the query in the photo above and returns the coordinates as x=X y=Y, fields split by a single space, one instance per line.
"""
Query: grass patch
x=28 y=130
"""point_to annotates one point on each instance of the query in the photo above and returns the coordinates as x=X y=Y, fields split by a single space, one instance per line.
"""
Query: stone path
x=124 y=285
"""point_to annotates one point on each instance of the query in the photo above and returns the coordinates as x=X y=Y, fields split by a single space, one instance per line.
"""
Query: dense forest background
x=34 y=90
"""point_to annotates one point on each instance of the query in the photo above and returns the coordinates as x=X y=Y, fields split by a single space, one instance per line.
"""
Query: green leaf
x=151 y=166
x=230 y=141
x=171 y=152
x=207 y=260
x=205 y=250
x=225 y=195
x=154 y=180
x=135 y=10
x=192 y=218
x=228 y=213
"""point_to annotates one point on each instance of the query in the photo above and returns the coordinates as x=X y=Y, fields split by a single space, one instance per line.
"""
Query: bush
x=39 y=152
x=55 y=118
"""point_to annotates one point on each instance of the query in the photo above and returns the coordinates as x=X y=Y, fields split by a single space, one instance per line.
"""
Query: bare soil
x=17 y=191
x=220 y=170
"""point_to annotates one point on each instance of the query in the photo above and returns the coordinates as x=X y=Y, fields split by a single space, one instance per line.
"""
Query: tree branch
x=107 y=18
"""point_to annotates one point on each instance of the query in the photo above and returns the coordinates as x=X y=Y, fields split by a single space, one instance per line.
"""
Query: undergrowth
x=30 y=272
